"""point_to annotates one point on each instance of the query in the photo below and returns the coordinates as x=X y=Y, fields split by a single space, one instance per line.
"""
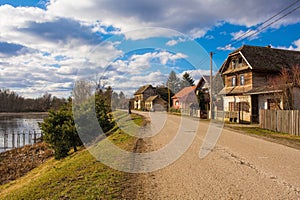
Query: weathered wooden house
x=247 y=72
x=142 y=94
x=155 y=103
x=202 y=92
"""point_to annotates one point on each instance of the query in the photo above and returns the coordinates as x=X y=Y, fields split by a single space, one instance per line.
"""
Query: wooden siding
x=247 y=78
x=285 y=121
x=259 y=79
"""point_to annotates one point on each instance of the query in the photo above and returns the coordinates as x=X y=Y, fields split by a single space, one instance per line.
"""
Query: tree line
x=10 y=101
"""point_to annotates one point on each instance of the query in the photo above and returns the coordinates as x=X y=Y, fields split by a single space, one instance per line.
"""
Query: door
x=254 y=109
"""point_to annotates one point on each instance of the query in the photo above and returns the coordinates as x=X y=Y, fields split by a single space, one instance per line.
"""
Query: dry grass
x=78 y=176
x=18 y=162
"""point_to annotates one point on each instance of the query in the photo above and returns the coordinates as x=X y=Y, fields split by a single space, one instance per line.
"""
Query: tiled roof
x=184 y=92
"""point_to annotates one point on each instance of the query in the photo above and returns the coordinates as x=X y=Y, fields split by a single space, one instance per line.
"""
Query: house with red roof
x=185 y=100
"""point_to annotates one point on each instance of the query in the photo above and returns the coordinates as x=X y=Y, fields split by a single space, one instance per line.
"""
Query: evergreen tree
x=173 y=83
x=187 y=80
x=60 y=132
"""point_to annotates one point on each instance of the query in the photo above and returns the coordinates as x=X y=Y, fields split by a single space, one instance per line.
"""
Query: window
x=242 y=80
x=233 y=81
x=233 y=106
x=233 y=63
x=239 y=106
x=240 y=60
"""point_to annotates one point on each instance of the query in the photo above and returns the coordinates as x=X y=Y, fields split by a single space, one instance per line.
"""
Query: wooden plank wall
x=285 y=121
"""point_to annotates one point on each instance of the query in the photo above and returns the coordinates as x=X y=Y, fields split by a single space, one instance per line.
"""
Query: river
x=21 y=126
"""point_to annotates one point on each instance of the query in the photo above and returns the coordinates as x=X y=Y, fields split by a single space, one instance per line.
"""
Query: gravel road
x=238 y=167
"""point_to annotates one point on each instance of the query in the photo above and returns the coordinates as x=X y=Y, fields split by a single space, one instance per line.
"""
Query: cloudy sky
x=45 y=46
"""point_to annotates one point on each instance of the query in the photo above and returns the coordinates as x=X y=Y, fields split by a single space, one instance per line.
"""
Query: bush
x=174 y=110
x=60 y=132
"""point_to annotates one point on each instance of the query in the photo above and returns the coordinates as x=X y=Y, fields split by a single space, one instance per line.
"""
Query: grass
x=79 y=176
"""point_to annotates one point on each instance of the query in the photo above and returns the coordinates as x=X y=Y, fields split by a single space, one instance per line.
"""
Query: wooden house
x=202 y=92
x=141 y=95
x=247 y=72
x=155 y=103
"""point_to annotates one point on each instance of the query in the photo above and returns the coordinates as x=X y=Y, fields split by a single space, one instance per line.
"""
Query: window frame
x=233 y=81
x=242 y=79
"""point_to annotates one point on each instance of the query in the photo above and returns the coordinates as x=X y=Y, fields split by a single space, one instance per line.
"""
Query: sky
x=48 y=45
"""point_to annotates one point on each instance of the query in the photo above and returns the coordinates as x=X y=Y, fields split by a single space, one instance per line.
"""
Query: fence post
x=5 y=140
x=34 y=137
x=13 y=139
x=18 y=140
x=24 y=138
x=29 y=137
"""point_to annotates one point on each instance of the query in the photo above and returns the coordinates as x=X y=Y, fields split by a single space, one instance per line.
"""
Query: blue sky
x=45 y=46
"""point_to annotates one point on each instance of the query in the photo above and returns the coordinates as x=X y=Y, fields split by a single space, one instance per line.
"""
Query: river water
x=21 y=126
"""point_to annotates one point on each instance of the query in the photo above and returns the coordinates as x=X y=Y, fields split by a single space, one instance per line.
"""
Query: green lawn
x=79 y=176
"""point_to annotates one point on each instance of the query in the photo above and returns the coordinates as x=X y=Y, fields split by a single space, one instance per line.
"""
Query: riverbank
x=18 y=162
x=80 y=175
x=22 y=113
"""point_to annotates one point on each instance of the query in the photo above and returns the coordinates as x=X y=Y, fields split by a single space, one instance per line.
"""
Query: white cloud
x=174 y=42
x=196 y=74
x=146 y=33
x=295 y=46
x=228 y=47
x=190 y=17
x=249 y=34
x=198 y=33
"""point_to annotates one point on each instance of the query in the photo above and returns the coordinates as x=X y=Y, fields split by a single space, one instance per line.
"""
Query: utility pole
x=211 y=86
x=169 y=97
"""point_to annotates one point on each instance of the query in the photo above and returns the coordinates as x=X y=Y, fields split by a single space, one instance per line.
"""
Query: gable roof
x=205 y=79
x=265 y=58
x=142 y=89
x=184 y=92
x=151 y=98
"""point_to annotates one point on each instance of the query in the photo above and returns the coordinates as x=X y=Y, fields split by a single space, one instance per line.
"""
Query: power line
x=258 y=31
x=292 y=4
x=262 y=27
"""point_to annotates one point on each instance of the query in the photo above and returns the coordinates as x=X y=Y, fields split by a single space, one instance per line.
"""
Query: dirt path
x=239 y=167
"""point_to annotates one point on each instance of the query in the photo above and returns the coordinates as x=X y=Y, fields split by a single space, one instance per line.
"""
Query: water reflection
x=18 y=129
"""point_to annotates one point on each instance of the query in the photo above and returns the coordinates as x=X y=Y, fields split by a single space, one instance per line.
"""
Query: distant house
x=202 y=93
x=185 y=99
x=155 y=103
x=142 y=94
x=247 y=72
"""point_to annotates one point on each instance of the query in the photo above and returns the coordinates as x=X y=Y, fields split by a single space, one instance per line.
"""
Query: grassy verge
x=79 y=176
x=280 y=138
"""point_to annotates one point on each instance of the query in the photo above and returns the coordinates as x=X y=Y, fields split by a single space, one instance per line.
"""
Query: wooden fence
x=285 y=121
x=14 y=139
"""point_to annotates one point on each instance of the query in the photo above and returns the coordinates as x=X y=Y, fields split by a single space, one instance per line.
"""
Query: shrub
x=60 y=132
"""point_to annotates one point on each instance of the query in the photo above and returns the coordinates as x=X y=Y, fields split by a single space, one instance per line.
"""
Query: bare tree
x=284 y=83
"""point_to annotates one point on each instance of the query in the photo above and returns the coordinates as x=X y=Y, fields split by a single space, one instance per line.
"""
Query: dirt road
x=239 y=167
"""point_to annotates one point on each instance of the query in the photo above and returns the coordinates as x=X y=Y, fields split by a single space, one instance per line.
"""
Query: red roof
x=184 y=92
